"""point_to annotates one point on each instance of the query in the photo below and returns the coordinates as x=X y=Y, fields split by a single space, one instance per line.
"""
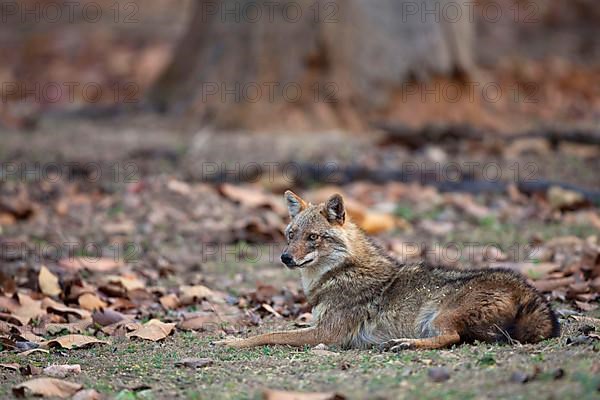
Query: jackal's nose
x=287 y=259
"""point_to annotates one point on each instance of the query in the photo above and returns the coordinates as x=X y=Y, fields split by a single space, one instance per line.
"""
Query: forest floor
x=161 y=236
x=137 y=369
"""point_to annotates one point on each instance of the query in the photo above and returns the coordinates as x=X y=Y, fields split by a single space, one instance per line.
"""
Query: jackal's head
x=316 y=234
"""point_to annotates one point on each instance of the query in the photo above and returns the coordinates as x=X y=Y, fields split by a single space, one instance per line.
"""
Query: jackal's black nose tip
x=287 y=259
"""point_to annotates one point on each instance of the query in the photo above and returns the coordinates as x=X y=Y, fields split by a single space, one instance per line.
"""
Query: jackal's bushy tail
x=534 y=321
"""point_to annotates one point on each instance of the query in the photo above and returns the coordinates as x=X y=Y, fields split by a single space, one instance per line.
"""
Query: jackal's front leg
x=300 y=337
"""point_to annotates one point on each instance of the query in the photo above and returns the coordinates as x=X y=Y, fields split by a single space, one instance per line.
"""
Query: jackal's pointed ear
x=334 y=209
x=294 y=202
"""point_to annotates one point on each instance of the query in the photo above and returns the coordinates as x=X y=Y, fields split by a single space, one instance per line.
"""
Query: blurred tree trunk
x=309 y=63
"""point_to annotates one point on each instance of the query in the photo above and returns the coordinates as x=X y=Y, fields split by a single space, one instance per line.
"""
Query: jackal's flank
x=362 y=297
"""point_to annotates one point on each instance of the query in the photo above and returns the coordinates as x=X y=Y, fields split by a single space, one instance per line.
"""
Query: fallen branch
x=556 y=135
x=414 y=138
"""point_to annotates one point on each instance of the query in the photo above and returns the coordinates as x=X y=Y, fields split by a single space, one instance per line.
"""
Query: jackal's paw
x=236 y=343
x=397 y=345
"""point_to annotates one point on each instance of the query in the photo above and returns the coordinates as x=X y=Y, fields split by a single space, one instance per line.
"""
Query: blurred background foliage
x=502 y=65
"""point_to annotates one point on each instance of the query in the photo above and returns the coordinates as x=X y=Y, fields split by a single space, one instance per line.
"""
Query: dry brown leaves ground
x=56 y=293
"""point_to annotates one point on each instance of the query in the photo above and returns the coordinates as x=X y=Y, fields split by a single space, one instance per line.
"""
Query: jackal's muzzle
x=289 y=261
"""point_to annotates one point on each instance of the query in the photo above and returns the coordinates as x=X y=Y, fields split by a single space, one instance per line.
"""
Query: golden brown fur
x=361 y=297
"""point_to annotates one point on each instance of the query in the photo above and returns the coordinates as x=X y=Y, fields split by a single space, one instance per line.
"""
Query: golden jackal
x=362 y=297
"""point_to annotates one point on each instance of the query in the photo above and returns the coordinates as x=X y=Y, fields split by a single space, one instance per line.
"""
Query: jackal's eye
x=313 y=236
x=290 y=235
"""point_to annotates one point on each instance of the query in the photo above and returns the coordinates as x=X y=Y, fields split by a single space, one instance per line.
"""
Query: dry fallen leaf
x=9 y=304
x=154 y=330
x=47 y=387
x=179 y=187
x=73 y=327
x=73 y=342
x=560 y=198
x=270 y=394
x=375 y=222
x=87 y=394
x=90 y=302
x=10 y=366
x=7 y=283
x=169 y=301
x=58 y=308
x=193 y=294
x=48 y=282
x=271 y=310
x=97 y=265
x=30 y=370
x=304 y=319
x=28 y=309
x=7 y=219
x=129 y=282
x=210 y=322
x=19 y=205
x=62 y=371
x=6 y=327
x=32 y=351
x=121 y=328
x=7 y=321
x=107 y=317
x=468 y=205
x=31 y=337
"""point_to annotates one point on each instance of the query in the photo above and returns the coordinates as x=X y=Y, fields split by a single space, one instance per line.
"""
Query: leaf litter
x=79 y=301
x=47 y=387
